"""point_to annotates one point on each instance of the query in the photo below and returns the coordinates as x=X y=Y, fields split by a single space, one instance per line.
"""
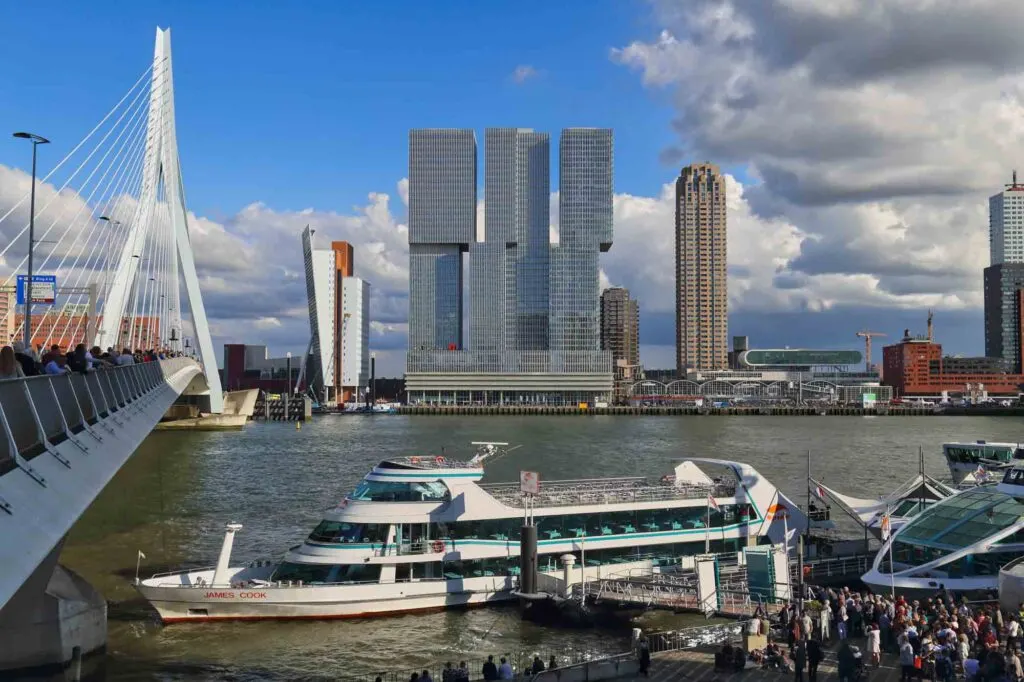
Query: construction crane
x=867 y=336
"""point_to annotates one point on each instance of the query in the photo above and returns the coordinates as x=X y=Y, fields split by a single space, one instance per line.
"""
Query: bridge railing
x=38 y=413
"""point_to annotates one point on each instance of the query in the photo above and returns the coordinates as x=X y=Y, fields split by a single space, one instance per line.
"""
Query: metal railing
x=692 y=638
x=606 y=491
x=41 y=412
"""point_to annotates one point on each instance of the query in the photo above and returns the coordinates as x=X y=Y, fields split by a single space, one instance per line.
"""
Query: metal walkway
x=678 y=590
x=62 y=438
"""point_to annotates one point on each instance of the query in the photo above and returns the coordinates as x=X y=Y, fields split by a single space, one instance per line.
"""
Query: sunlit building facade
x=534 y=310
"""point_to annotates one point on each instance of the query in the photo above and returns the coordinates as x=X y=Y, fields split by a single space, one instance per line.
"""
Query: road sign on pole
x=44 y=289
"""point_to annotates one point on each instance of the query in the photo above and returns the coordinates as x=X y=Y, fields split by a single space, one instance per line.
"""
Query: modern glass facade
x=1002 y=287
x=534 y=307
x=584 y=230
x=442 y=225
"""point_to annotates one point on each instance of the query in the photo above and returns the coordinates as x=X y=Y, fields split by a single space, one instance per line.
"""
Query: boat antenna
x=490 y=450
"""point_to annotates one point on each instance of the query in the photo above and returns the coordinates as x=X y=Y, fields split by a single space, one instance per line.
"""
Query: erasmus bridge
x=111 y=265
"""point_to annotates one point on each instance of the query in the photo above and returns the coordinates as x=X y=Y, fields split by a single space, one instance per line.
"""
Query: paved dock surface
x=697 y=665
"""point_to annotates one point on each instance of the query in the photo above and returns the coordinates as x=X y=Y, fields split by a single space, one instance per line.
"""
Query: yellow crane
x=867 y=336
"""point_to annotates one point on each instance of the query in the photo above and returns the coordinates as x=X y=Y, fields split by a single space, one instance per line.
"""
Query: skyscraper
x=584 y=231
x=534 y=311
x=442 y=224
x=339 y=321
x=701 y=280
x=1004 y=278
x=620 y=327
x=509 y=269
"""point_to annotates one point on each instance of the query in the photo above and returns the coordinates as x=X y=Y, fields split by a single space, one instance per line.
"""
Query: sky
x=861 y=139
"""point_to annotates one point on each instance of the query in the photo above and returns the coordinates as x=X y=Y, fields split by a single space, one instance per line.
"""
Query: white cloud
x=875 y=131
x=523 y=73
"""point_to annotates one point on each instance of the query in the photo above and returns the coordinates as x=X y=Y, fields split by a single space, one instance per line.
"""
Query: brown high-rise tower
x=701 y=285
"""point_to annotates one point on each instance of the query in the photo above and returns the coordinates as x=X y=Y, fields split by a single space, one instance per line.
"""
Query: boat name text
x=232 y=595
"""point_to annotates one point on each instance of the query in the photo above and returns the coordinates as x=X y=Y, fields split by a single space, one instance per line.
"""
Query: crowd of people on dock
x=940 y=638
x=17 y=361
x=502 y=669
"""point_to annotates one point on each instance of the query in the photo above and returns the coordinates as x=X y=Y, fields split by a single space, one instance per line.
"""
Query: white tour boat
x=422 y=533
x=959 y=543
x=980 y=461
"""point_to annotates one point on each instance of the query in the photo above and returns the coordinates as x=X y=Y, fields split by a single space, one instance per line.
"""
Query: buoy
x=298 y=425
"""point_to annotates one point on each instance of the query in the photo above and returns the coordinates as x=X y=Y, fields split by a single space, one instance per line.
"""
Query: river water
x=172 y=499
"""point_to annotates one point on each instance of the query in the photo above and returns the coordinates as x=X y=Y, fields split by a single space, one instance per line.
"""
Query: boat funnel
x=220 y=574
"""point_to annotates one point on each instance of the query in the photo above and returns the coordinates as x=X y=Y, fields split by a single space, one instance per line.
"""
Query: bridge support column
x=56 y=621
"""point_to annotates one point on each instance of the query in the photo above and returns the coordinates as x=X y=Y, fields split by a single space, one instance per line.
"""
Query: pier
x=672 y=410
x=279 y=407
x=679 y=591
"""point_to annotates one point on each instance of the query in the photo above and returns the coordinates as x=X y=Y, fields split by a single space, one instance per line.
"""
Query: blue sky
x=846 y=132
x=310 y=106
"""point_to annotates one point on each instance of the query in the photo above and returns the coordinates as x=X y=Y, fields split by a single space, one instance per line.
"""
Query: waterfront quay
x=673 y=410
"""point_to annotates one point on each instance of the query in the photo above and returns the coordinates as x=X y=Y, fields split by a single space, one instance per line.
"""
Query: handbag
x=917 y=662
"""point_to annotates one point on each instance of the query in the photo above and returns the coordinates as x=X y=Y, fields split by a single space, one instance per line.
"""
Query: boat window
x=1014 y=477
x=418 y=491
x=978 y=564
x=683 y=520
x=339 y=531
x=327 y=573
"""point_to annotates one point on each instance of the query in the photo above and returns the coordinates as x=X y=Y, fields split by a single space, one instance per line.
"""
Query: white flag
x=789 y=535
x=713 y=504
x=141 y=555
x=885 y=527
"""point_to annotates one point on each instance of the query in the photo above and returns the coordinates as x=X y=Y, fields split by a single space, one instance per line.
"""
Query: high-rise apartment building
x=701 y=279
x=620 y=329
x=442 y=225
x=339 y=321
x=533 y=307
x=1004 y=278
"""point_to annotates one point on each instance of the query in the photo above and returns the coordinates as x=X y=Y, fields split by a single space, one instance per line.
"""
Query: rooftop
x=426 y=462
x=964 y=519
x=607 y=491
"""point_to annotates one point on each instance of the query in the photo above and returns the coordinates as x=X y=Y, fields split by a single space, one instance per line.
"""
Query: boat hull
x=177 y=604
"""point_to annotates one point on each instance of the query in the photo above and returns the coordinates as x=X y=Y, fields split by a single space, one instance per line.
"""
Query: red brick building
x=916 y=367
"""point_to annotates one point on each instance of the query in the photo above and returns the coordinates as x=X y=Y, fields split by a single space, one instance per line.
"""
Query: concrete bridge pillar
x=55 y=624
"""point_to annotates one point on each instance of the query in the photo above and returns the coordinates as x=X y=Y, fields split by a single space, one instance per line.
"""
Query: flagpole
x=707 y=527
x=892 y=569
x=138 y=562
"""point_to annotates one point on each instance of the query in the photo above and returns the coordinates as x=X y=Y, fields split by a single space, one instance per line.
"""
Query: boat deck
x=606 y=491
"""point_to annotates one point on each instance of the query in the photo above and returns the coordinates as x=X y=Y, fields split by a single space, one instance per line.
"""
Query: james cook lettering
x=232 y=595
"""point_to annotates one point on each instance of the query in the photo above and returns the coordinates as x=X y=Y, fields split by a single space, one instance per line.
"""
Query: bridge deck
x=62 y=438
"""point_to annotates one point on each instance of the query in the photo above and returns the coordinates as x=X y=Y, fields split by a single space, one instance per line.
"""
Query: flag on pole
x=885 y=527
x=820 y=492
x=141 y=555
x=713 y=504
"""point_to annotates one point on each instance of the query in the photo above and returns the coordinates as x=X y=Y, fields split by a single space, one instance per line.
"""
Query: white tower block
x=161 y=164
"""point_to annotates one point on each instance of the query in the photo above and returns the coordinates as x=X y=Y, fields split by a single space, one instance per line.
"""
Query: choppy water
x=174 y=496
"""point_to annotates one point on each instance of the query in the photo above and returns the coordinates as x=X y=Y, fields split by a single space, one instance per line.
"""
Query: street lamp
x=36 y=140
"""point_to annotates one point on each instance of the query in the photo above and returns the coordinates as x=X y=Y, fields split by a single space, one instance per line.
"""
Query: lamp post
x=36 y=140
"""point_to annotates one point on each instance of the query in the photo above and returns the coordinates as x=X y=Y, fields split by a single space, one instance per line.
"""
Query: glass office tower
x=442 y=224
x=585 y=230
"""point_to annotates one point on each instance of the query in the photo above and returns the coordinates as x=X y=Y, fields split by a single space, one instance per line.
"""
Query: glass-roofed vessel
x=978 y=462
x=423 y=533
x=957 y=544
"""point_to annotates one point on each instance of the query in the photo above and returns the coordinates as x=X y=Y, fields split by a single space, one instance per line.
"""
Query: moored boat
x=422 y=533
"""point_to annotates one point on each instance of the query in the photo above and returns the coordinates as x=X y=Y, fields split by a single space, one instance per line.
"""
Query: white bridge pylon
x=156 y=246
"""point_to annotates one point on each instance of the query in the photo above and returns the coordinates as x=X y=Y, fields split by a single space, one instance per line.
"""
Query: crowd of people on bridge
x=17 y=361
x=940 y=638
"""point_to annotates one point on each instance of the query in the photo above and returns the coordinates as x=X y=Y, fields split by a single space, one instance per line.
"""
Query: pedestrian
x=875 y=645
x=27 y=361
x=907 y=657
x=505 y=670
x=799 y=654
x=425 y=676
x=846 y=662
x=552 y=664
x=538 y=665
x=10 y=368
x=645 y=658
x=448 y=674
x=814 y=656
x=490 y=671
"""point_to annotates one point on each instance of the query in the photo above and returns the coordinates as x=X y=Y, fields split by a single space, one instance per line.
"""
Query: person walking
x=645 y=658
x=799 y=661
x=505 y=670
x=814 y=656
